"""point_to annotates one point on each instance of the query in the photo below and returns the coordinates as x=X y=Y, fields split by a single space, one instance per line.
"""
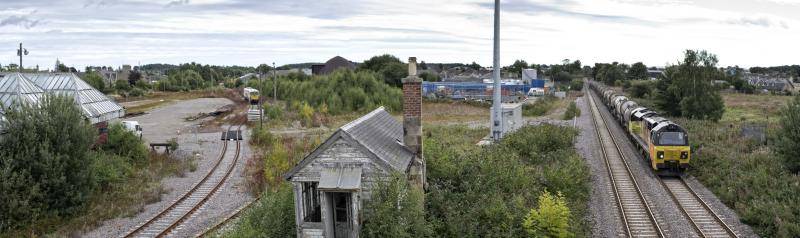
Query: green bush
x=45 y=167
x=550 y=219
x=260 y=136
x=788 y=143
x=540 y=107
x=576 y=85
x=272 y=216
x=395 y=209
x=488 y=191
x=110 y=169
x=572 y=111
x=748 y=177
x=124 y=143
x=342 y=91
x=136 y=92
x=273 y=112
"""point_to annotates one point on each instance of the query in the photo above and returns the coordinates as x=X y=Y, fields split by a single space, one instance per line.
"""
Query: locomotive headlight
x=660 y=154
x=684 y=155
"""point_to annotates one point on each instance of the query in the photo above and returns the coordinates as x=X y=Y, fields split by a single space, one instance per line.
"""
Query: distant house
x=333 y=183
x=331 y=65
x=769 y=83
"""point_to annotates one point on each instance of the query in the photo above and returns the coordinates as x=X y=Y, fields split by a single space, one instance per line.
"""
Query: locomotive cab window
x=671 y=138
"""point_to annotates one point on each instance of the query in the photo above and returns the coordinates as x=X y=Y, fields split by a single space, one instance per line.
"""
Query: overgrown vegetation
x=541 y=107
x=572 y=111
x=340 y=92
x=788 y=141
x=551 y=217
x=272 y=216
x=116 y=180
x=488 y=191
x=395 y=210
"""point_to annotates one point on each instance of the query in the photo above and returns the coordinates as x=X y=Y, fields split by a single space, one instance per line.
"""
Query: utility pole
x=260 y=99
x=20 y=53
x=497 y=126
x=274 y=85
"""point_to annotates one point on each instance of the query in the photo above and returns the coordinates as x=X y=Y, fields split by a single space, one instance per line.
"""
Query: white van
x=133 y=126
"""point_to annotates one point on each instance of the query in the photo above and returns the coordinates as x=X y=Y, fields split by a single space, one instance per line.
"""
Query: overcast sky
x=249 y=32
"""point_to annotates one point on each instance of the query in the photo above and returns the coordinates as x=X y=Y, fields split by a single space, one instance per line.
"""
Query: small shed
x=332 y=183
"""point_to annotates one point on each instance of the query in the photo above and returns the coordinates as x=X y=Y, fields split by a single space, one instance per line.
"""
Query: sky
x=249 y=32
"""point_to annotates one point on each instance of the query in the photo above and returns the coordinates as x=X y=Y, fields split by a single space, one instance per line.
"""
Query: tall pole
x=20 y=57
x=496 y=97
x=274 y=84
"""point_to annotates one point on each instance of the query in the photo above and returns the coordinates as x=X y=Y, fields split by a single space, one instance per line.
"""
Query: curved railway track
x=171 y=217
x=638 y=219
x=705 y=221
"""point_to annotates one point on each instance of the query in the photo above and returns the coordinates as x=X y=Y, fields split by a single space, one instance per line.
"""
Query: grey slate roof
x=379 y=132
x=94 y=104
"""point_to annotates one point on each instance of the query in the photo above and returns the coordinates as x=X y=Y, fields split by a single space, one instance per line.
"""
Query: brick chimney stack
x=412 y=121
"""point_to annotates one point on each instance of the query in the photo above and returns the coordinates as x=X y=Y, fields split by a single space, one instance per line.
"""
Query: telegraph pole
x=274 y=85
x=20 y=53
x=497 y=126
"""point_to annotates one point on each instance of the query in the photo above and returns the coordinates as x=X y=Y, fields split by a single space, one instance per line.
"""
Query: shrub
x=576 y=85
x=640 y=89
x=45 y=168
x=572 y=111
x=273 y=112
x=272 y=216
x=173 y=144
x=395 y=209
x=136 y=92
x=122 y=85
x=275 y=164
x=788 y=141
x=550 y=219
x=124 y=143
x=540 y=107
x=307 y=112
x=260 y=136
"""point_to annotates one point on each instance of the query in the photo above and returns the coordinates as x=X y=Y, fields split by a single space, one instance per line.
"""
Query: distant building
x=655 y=74
x=124 y=72
x=769 y=83
x=331 y=65
x=529 y=75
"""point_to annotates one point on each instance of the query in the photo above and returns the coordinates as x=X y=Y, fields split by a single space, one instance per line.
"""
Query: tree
x=550 y=219
x=638 y=71
x=518 y=66
x=263 y=68
x=95 y=80
x=788 y=139
x=388 y=66
x=429 y=77
x=610 y=73
x=562 y=76
x=122 y=85
x=687 y=91
x=474 y=66
x=62 y=68
x=45 y=168
x=133 y=77
x=576 y=85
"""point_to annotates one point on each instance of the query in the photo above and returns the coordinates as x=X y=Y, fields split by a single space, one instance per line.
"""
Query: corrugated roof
x=379 y=132
x=94 y=104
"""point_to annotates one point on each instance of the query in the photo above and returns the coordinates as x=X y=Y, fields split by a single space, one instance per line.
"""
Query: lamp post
x=497 y=123
x=20 y=52
x=274 y=84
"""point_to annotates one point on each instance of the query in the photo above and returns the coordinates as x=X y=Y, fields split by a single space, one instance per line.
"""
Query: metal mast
x=496 y=97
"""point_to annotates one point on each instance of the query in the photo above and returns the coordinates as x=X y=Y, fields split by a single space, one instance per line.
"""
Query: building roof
x=96 y=107
x=378 y=133
x=336 y=63
x=15 y=88
x=383 y=136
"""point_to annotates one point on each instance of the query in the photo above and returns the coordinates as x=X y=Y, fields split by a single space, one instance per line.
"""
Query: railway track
x=235 y=214
x=705 y=221
x=638 y=219
x=174 y=215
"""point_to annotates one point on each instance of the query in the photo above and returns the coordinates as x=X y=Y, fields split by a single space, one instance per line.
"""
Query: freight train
x=251 y=95
x=663 y=143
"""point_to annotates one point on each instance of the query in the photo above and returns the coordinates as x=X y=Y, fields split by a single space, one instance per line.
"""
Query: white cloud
x=227 y=32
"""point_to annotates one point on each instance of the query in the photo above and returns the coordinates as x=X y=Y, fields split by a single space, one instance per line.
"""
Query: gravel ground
x=232 y=195
x=668 y=214
x=168 y=122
